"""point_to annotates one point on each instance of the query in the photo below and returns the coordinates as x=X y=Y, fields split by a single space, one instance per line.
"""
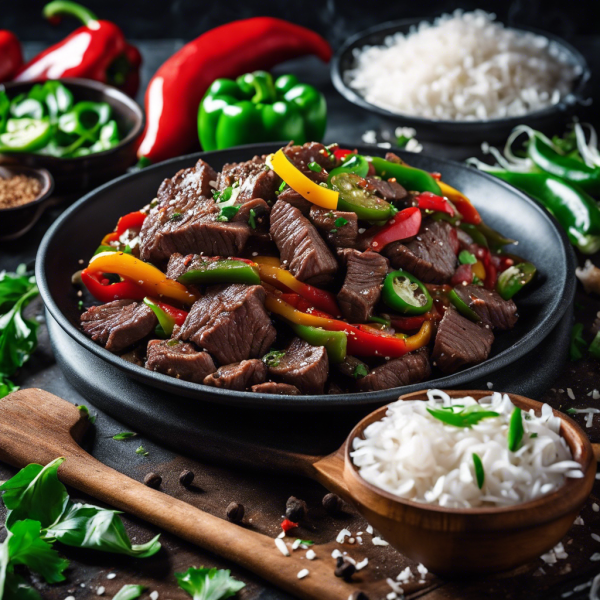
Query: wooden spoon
x=36 y=426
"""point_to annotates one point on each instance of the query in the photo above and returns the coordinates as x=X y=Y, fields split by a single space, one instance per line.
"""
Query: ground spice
x=18 y=190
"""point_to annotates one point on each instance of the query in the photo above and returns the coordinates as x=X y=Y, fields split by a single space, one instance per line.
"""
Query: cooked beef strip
x=179 y=360
x=365 y=272
x=430 y=256
x=300 y=246
x=391 y=157
x=261 y=212
x=489 y=305
x=185 y=221
x=302 y=156
x=188 y=184
x=256 y=180
x=238 y=376
x=397 y=372
x=348 y=367
x=119 y=324
x=230 y=322
x=391 y=191
x=295 y=199
x=340 y=236
x=271 y=387
x=460 y=343
x=304 y=366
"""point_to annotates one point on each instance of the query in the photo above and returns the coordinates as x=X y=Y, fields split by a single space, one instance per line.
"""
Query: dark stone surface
x=264 y=496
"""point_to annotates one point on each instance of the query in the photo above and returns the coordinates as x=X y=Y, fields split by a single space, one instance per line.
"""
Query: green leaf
x=35 y=493
x=466 y=258
x=141 y=450
x=578 y=344
x=515 y=430
x=17 y=589
x=84 y=409
x=594 y=348
x=87 y=526
x=479 y=474
x=208 y=584
x=465 y=418
x=129 y=592
x=6 y=387
x=13 y=286
x=125 y=435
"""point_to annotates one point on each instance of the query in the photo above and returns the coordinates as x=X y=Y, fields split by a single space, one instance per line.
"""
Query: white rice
x=464 y=66
x=413 y=455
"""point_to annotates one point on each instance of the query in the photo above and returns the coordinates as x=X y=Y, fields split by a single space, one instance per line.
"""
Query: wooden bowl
x=455 y=542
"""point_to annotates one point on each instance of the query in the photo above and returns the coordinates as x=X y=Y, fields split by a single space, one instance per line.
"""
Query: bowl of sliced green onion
x=84 y=132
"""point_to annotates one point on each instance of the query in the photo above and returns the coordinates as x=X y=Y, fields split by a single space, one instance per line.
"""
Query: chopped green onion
x=252 y=219
x=124 y=435
x=515 y=430
x=273 y=358
x=141 y=450
x=227 y=213
x=360 y=371
x=479 y=474
x=314 y=166
x=571 y=411
x=533 y=435
x=465 y=418
x=281 y=187
x=466 y=258
x=340 y=222
x=176 y=216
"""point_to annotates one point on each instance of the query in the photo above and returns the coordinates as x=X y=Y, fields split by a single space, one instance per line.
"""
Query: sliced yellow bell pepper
x=272 y=261
x=479 y=270
x=147 y=276
x=463 y=204
x=299 y=182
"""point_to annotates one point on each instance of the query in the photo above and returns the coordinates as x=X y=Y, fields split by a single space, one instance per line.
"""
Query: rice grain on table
x=463 y=67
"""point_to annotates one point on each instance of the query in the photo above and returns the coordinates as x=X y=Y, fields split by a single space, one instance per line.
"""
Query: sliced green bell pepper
x=462 y=307
x=335 y=342
x=166 y=322
x=352 y=163
x=514 y=279
x=410 y=178
x=354 y=197
x=221 y=270
x=254 y=108
x=403 y=292
x=25 y=135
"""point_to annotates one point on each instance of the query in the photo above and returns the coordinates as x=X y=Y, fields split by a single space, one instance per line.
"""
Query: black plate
x=72 y=239
x=455 y=132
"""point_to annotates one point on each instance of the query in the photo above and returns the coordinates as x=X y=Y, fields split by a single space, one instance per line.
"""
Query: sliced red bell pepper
x=429 y=201
x=405 y=224
x=463 y=204
x=101 y=288
x=491 y=272
x=341 y=153
x=132 y=220
x=176 y=314
x=414 y=323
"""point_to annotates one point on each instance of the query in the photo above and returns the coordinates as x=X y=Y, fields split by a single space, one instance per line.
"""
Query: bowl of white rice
x=460 y=77
x=469 y=482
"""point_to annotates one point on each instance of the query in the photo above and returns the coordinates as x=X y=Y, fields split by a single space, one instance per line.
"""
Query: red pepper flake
x=286 y=525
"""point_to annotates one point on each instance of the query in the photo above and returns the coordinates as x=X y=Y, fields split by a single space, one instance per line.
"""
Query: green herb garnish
x=225 y=194
x=465 y=418
x=80 y=304
x=209 y=584
x=315 y=166
x=281 y=187
x=533 y=435
x=479 y=474
x=515 y=430
x=360 y=371
x=141 y=450
x=273 y=358
x=176 y=216
x=594 y=348
x=252 y=219
x=124 y=435
x=578 y=344
x=340 y=222
x=476 y=280
x=227 y=213
x=129 y=592
x=84 y=409
x=306 y=542
x=466 y=258
x=571 y=411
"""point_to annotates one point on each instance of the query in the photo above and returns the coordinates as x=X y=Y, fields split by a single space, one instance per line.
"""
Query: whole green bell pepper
x=254 y=108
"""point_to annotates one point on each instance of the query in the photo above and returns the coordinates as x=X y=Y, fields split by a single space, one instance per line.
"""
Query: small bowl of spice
x=25 y=193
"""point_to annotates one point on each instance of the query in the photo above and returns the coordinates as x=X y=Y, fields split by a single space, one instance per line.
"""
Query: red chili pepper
x=405 y=224
x=133 y=220
x=429 y=201
x=341 y=153
x=436 y=176
x=103 y=290
x=286 y=525
x=463 y=275
x=11 y=58
x=414 y=323
x=304 y=305
x=175 y=91
x=176 y=314
x=491 y=273
x=97 y=50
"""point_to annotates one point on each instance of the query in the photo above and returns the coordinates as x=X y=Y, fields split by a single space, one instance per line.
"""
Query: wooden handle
x=596 y=448
x=36 y=426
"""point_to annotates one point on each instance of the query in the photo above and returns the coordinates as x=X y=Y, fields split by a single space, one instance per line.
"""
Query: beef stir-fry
x=313 y=270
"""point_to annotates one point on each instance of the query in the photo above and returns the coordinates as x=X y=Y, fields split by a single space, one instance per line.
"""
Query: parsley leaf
x=578 y=344
x=124 y=435
x=273 y=358
x=465 y=418
x=208 y=584
x=227 y=213
x=129 y=592
x=340 y=222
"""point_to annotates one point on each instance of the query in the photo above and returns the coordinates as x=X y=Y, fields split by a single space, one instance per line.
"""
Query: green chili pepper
x=572 y=170
x=335 y=342
x=495 y=241
x=165 y=322
x=403 y=292
x=408 y=177
x=222 y=270
x=353 y=197
x=462 y=307
x=514 y=279
x=255 y=108
x=573 y=208
x=25 y=135
x=474 y=234
x=380 y=320
x=353 y=163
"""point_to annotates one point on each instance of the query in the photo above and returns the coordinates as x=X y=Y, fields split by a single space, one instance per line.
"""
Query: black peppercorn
x=358 y=596
x=333 y=504
x=235 y=512
x=344 y=568
x=186 y=477
x=295 y=509
x=153 y=480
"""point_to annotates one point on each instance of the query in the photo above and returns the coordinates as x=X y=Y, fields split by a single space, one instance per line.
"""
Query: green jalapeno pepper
x=408 y=177
x=352 y=163
x=354 y=197
x=462 y=307
x=514 y=279
x=221 y=270
x=335 y=342
x=406 y=294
